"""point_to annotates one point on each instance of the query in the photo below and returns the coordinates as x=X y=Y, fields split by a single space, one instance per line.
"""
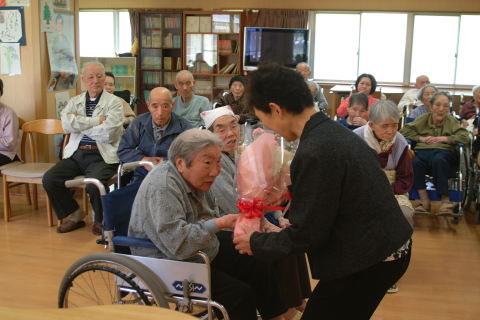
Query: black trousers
x=243 y=284
x=6 y=160
x=355 y=296
x=83 y=162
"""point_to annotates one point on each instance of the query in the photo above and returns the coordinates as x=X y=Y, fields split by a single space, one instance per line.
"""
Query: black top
x=343 y=211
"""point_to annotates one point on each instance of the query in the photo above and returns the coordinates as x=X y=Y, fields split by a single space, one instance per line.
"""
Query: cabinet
x=123 y=68
x=160 y=51
x=213 y=48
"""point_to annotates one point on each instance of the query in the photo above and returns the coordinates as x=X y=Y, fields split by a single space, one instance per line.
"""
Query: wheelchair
x=473 y=194
x=118 y=277
x=458 y=183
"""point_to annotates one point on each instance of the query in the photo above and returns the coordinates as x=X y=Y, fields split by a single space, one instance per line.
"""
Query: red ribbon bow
x=255 y=208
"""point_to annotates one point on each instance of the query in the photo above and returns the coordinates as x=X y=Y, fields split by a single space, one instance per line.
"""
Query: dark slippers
x=69 y=225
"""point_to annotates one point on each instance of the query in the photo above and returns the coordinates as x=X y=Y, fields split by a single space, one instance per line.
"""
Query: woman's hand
x=433 y=140
x=284 y=222
x=359 y=121
x=267 y=226
x=227 y=221
x=242 y=242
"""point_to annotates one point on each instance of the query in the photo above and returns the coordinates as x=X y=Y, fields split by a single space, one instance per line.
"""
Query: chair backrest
x=43 y=126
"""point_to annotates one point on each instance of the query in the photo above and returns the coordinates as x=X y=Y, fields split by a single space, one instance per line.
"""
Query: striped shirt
x=90 y=106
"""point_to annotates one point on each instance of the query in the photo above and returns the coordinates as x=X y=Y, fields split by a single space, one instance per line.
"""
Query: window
x=434 y=48
x=104 y=33
x=397 y=47
x=336 y=48
x=382 y=45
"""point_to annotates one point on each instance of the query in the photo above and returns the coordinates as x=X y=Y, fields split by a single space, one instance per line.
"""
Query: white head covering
x=475 y=89
x=210 y=116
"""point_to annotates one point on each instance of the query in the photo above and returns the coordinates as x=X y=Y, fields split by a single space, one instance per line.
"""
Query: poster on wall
x=47 y=16
x=60 y=42
x=12 y=25
x=62 y=5
x=10 y=62
x=61 y=100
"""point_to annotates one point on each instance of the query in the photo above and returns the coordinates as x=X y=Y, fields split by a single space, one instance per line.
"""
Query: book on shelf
x=146 y=94
x=156 y=38
x=229 y=68
x=168 y=77
x=167 y=63
x=193 y=24
x=149 y=62
x=179 y=64
x=153 y=22
x=224 y=46
x=146 y=40
x=172 y=22
x=205 y=24
x=168 y=40
x=177 y=41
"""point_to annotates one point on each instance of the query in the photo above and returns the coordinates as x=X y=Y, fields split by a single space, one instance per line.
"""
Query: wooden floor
x=442 y=283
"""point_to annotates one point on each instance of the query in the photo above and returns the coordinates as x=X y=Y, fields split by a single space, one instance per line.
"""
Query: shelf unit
x=213 y=44
x=160 y=52
x=123 y=68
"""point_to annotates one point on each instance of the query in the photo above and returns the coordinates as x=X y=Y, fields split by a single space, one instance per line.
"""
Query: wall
x=381 y=5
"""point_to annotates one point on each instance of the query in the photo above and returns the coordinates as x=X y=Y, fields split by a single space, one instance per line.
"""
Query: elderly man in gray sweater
x=176 y=211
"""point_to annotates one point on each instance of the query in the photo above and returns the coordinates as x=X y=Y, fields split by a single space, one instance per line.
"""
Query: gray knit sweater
x=175 y=218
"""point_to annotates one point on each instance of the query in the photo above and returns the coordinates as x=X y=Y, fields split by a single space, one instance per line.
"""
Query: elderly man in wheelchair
x=175 y=210
x=436 y=135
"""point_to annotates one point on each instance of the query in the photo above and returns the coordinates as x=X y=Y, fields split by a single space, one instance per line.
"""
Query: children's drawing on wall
x=47 y=15
x=63 y=65
x=61 y=100
x=10 y=62
x=12 y=25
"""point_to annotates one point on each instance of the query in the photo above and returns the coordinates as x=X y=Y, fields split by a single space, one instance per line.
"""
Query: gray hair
x=475 y=89
x=184 y=72
x=302 y=64
x=190 y=142
x=383 y=110
x=441 y=93
x=89 y=63
x=422 y=90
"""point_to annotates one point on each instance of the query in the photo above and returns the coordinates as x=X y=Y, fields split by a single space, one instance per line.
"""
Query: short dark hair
x=372 y=80
x=358 y=98
x=280 y=85
x=1 y=87
x=109 y=74
x=237 y=78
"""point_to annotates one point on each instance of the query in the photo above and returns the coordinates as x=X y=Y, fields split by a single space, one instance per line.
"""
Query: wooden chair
x=30 y=172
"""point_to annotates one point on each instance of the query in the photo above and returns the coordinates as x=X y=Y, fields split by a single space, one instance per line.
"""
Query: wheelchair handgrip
x=132 y=165
x=76 y=183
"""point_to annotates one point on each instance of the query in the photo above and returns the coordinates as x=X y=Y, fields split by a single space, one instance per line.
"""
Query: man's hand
x=103 y=119
x=154 y=160
x=242 y=242
x=433 y=140
x=267 y=226
x=227 y=221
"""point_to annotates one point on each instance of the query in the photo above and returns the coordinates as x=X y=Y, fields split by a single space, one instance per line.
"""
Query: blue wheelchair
x=117 y=277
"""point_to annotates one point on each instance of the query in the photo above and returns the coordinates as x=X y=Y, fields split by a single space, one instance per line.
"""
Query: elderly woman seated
x=176 y=211
x=292 y=272
x=424 y=95
x=435 y=134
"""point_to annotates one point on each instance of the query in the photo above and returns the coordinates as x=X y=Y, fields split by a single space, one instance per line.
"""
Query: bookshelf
x=123 y=68
x=160 y=52
x=213 y=47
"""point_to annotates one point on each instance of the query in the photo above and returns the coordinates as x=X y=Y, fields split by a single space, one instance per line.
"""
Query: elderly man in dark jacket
x=149 y=136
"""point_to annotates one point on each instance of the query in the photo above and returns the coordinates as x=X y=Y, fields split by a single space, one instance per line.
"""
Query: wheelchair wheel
x=109 y=278
x=464 y=178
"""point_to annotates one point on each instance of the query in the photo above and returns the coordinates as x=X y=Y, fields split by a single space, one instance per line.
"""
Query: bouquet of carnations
x=263 y=174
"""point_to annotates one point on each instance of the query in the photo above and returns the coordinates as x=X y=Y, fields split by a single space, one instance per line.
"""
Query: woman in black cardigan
x=343 y=212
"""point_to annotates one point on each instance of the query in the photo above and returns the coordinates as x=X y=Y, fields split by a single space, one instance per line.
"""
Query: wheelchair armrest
x=133 y=242
x=76 y=183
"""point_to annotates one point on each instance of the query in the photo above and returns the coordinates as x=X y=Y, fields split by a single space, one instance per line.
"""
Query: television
x=286 y=47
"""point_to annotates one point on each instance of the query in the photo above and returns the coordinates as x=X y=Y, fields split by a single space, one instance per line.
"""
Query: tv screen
x=286 y=47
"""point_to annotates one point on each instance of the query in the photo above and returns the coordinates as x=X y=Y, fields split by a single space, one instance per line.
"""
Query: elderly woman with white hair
x=381 y=134
x=176 y=211
x=424 y=95
x=471 y=108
